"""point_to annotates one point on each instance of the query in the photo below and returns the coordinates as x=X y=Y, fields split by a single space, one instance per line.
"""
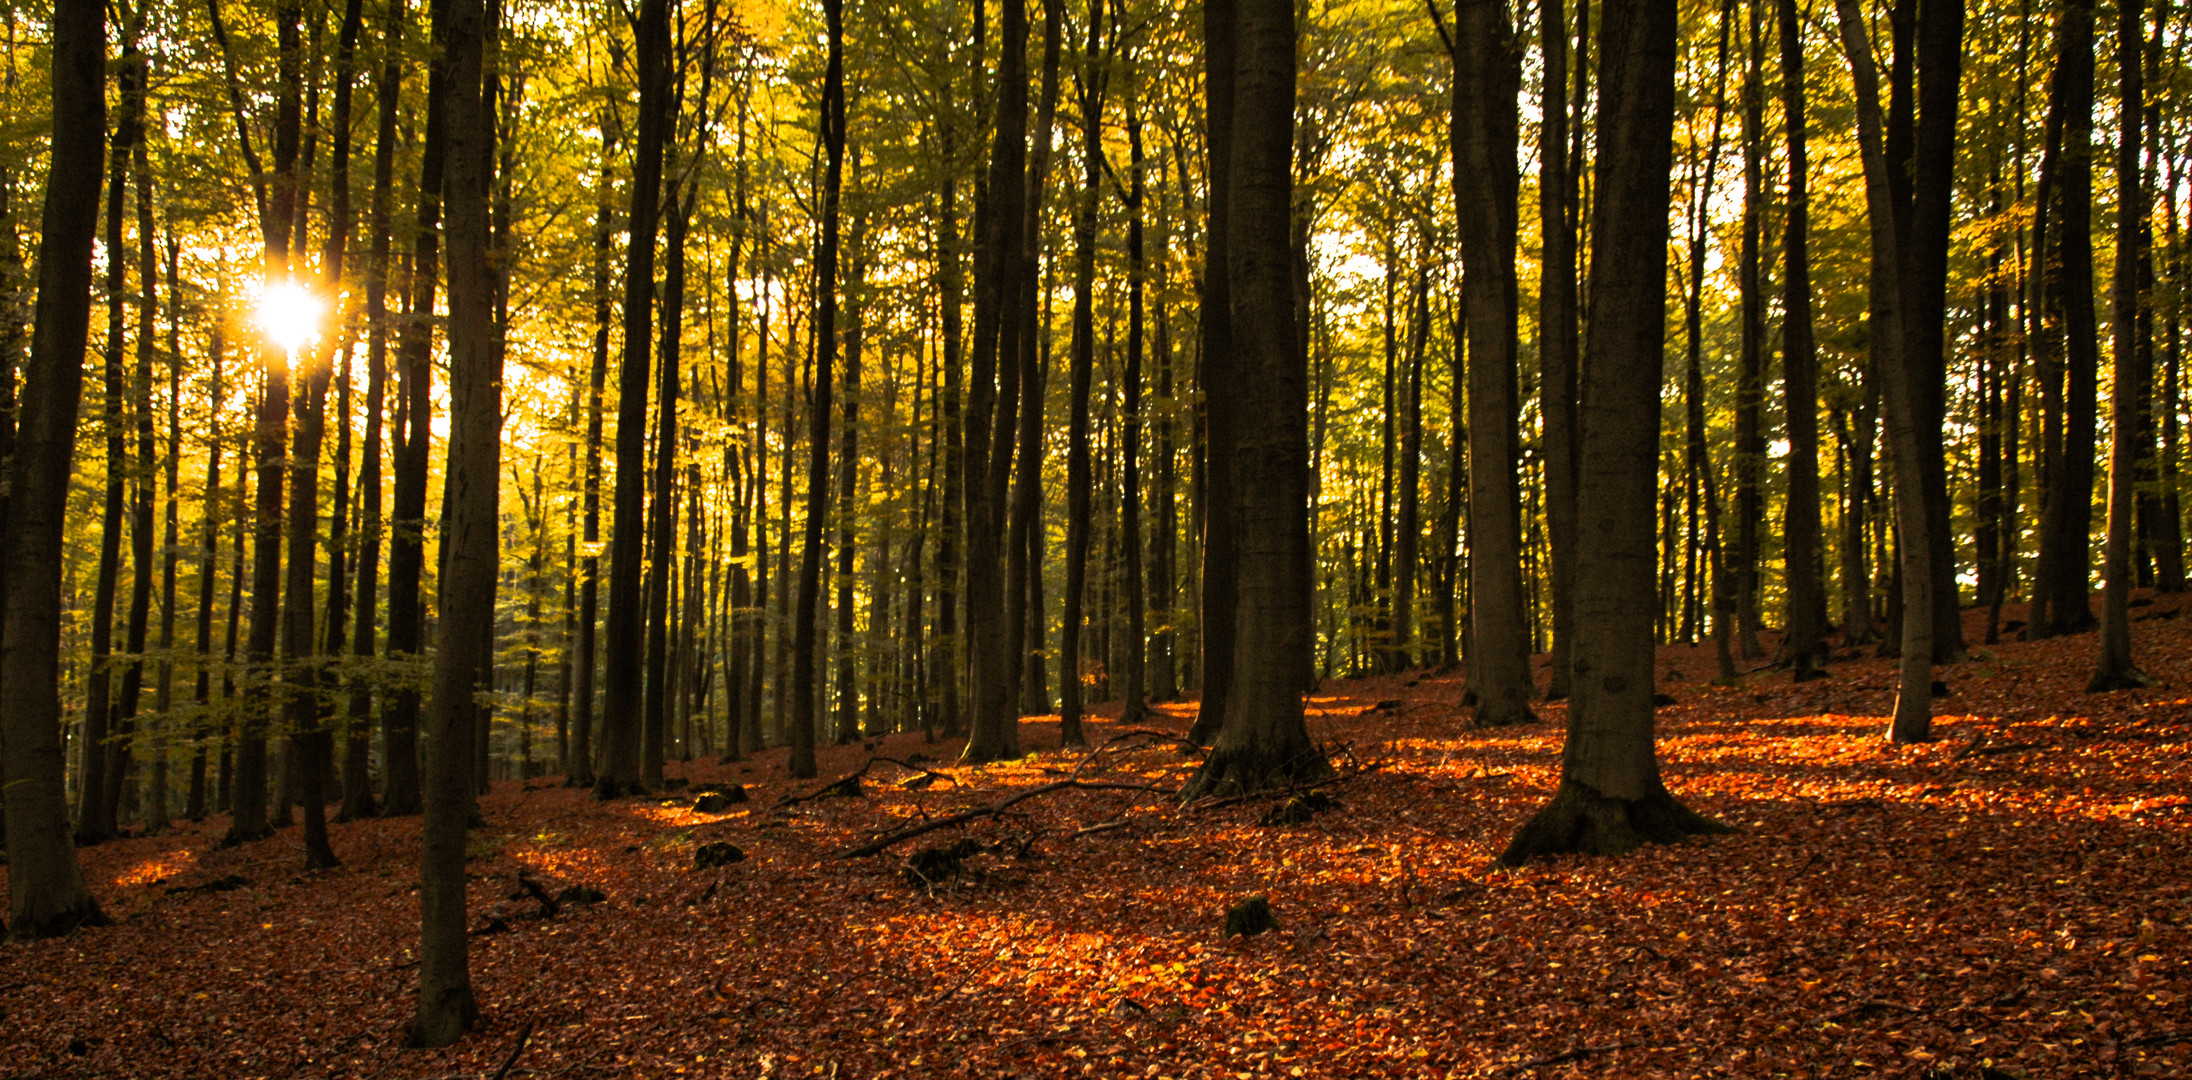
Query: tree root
x=1580 y=820
x=1247 y=770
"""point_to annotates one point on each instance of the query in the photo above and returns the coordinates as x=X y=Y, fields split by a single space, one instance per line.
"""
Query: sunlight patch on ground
x=153 y=871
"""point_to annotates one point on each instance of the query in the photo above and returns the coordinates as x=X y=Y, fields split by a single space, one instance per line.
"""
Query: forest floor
x=2012 y=897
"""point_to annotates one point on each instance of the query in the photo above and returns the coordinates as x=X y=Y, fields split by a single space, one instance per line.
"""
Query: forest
x=1094 y=537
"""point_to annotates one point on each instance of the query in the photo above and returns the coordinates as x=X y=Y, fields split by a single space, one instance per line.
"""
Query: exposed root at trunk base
x=1240 y=770
x=1507 y=714
x=1584 y=822
x=2124 y=678
x=52 y=924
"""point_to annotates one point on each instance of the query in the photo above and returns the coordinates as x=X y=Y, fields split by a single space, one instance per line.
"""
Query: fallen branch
x=1868 y=1003
x=1103 y=827
x=525 y=1034
x=1575 y=1053
x=848 y=784
x=898 y=836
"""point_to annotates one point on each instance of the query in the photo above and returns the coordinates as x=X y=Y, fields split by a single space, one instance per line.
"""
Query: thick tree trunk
x=2062 y=586
x=1261 y=740
x=1611 y=797
x=1218 y=579
x=1807 y=597
x=446 y=1006
x=45 y=881
x=1487 y=76
x=993 y=732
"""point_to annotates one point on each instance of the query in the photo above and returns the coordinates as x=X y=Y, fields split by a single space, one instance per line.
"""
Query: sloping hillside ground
x=2012 y=897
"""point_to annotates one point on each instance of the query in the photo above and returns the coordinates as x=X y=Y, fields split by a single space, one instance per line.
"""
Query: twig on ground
x=898 y=836
x=848 y=784
x=1574 y=1053
x=525 y=1034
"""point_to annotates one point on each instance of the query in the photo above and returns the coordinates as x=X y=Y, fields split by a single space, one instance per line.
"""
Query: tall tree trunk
x=1611 y=797
x=2067 y=187
x=1484 y=136
x=1028 y=384
x=1913 y=717
x=848 y=533
x=1750 y=390
x=47 y=896
x=248 y=802
x=414 y=445
x=1070 y=664
x=446 y=1006
x=2131 y=389
x=1218 y=579
x=1164 y=533
x=1261 y=740
x=805 y=624
x=358 y=798
x=1135 y=708
x=658 y=697
x=623 y=696
x=1807 y=597
x=579 y=770
x=143 y=481
x=1558 y=337
x=994 y=734
x=95 y=810
x=194 y=805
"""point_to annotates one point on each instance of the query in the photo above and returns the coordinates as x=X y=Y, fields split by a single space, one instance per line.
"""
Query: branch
x=897 y=836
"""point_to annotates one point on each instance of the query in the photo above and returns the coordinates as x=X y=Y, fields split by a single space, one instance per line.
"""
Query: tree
x=805 y=625
x=1484 y=137
x=1611 y=797
x=46 y=893
x=1807 y=597
x=1913 y=717
x=1261 y=739
x=1000 y=221
x=446 y=1006
x=622 y=658
x=2131 y=359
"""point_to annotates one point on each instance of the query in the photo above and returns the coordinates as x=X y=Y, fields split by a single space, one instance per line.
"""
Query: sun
x=289 y=315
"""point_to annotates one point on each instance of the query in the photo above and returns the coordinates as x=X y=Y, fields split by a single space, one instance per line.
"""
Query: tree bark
x=1611 y=797
x=1807 y=597
x=1261 y=740
x=446 y=1006
x=1913 y=717
x=2062 y=598
x=1558 y=338
x=2132 y=360
x=1484 y=134
x=623 y=696
x=806 y=626
x=1070 y=664
x=47 y=896
x=994 y=733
